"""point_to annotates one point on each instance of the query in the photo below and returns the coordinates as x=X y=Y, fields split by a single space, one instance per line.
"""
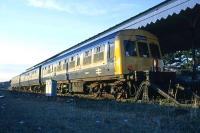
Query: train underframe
x=145 y=86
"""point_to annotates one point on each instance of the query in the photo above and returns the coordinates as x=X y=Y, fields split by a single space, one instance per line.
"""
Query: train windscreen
x=143 y=49
x=130 y=48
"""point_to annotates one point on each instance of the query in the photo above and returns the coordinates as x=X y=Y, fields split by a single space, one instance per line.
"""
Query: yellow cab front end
x=137 y=50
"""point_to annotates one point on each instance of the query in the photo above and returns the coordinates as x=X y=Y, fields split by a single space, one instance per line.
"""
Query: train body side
x=26 y=79
x=125 y=63
x=95 y=60
x=104 y=59
x=15 y=81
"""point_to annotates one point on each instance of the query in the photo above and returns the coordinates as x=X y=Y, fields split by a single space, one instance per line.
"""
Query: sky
x=34 y=30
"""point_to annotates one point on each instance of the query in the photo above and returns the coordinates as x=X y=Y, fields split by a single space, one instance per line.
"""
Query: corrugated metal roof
x=158 y=12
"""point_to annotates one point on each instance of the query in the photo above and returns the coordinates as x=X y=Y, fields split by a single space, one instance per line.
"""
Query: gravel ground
x=24 y=113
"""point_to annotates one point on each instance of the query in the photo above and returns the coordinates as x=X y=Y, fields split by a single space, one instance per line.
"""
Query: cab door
x=110 y=59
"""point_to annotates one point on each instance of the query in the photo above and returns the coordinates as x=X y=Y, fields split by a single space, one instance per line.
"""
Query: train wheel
x=99 y=90
x=121 y=92
x=86 y=89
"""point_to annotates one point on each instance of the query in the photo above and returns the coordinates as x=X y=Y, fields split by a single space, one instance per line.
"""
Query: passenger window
x=65 y=64
x=99 y=49
x=87 y=59
x=72 y=58
x=72 y=62
x=130 y=48
x=88 y=53
x=155 y=52
x=98 y=53
x=143 y=49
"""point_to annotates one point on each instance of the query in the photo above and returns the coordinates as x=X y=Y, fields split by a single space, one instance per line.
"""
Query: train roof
x=29 y=70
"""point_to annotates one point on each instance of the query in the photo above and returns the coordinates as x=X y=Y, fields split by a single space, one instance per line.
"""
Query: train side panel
x=15 y=81
x=100 y=64
x=95 y=61
x=34 y=77
x=55 y=71
x=24 y=79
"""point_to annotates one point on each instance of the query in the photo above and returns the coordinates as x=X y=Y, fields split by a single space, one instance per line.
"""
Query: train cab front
x=141 y=52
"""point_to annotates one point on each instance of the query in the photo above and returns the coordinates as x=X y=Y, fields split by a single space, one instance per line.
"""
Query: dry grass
x=22 y=112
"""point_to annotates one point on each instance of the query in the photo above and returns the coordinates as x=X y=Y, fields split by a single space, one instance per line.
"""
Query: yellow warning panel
x=118 y=57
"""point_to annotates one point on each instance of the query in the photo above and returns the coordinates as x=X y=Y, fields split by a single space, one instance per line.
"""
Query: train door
x=39 y=76
x=110 y=58
x=67 y=68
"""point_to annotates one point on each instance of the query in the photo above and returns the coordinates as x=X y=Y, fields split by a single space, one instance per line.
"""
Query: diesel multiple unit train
x=126 y=63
